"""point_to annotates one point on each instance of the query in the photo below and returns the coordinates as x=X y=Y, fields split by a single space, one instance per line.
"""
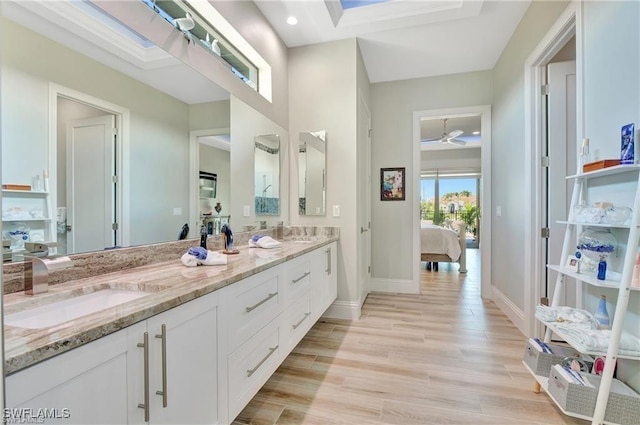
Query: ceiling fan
x=447 y=137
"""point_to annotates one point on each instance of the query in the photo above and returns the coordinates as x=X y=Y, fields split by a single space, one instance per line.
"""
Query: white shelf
x=608 y=226
x=17 y=220
x=609 y=171
x=24 y=192
x=613 y=281
x=580 y=348
x=544 y=384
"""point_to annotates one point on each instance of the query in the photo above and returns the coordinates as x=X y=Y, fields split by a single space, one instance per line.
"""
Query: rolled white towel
x=214 y=259
x=189 y=260
x=266 y=242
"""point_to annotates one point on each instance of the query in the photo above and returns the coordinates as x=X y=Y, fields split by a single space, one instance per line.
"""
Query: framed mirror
x=267 y=174
x=312 y=173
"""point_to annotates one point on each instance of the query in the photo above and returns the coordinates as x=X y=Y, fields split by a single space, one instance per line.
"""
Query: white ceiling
x=405 y=39
x=432 y=128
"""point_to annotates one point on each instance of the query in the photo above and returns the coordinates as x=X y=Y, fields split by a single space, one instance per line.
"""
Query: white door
x=561 y=150
x=90 y=185
x=364 y=199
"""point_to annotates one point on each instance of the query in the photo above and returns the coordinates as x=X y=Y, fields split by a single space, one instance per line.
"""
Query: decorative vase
x=218 y=207
x=596 y=245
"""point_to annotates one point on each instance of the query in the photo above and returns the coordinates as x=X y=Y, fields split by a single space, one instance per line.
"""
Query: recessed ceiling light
x=475 y=133
x=292 y=20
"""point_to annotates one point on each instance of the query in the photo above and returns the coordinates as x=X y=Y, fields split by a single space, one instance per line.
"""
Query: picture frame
x=573 y=264
x=392 y=184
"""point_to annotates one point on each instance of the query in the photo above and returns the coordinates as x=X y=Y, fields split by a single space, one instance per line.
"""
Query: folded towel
x=211 y=258
x=262 y=241
x=574 y=316
x=598 y=340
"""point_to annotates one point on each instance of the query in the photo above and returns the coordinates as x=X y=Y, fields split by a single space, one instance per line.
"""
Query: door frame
x=364 y=169
x=569 y=24
x=123 y=121
x=484 y=111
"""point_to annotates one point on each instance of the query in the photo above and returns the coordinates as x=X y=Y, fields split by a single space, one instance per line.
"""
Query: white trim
x=568 y=24
x=123 y=120
x=348 y=310
x=515 y=314
x=194 y=170
x=485 y=195
x=393 y=285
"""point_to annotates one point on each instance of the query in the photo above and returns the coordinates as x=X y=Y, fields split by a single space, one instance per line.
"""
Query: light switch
x=498 y=210
x=177 y=211
x=246 y=211
x=336 y=210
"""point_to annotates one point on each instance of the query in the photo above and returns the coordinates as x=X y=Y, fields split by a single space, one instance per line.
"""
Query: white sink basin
x=69 y=309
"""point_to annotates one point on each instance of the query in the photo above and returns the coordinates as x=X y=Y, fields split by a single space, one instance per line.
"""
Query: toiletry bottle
x=203 y=237
x=585 y=157
x=635 y=279
x=602 y=270
x=602 y=316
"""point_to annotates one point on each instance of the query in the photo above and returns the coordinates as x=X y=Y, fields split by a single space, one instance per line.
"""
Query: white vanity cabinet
x=173 y=368
x=324 y=279
x=86 y=385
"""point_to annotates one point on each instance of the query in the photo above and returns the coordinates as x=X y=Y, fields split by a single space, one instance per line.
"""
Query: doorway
x=88 y=163
x=484 y=191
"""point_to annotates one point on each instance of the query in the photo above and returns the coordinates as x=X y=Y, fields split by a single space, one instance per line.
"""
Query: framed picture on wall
x=392 y=186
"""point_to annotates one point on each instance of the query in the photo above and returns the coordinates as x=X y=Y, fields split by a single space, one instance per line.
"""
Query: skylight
x=350 y=4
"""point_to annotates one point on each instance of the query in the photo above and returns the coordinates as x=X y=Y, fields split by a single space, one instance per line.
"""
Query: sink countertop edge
x=26 y=347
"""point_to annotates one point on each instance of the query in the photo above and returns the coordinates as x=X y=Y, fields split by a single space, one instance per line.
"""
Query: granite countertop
x=170 y=284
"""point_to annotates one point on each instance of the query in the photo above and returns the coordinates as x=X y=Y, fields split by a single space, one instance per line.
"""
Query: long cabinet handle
x=163 y=337
x=301 y=320
x=301 y=277
x=328 y=252
x=253 y=307
x=271 y=351
x=145 y=406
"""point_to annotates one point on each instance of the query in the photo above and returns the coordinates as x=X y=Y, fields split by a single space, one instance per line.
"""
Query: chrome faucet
x=36 y=272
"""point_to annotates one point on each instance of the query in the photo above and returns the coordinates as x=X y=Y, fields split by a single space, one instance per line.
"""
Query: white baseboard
x=395 y=286
x=348 y=310
x=513 y=312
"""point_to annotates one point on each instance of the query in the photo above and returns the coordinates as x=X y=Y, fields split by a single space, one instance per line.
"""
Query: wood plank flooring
x=442 y=357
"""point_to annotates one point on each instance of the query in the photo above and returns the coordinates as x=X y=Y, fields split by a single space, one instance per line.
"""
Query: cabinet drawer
x=254 y=302
x=297 y=278
x=296 y=322
x=251 y=365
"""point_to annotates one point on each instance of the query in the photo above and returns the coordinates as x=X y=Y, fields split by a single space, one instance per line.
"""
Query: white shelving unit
x=615 y=280
x=27 y=201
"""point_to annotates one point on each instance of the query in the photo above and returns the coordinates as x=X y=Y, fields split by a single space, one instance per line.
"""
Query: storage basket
x=540 y=363
x=623 y=407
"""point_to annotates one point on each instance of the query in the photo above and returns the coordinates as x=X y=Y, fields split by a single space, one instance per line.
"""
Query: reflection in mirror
x=214 y=187
x=311 y=173
x=267 y=174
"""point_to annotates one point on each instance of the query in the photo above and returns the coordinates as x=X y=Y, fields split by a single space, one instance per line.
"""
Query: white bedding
x=438 y=240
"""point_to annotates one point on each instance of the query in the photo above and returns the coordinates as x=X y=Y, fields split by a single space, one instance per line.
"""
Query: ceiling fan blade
x=456 y=142
x=430 y=140
x=454 y=134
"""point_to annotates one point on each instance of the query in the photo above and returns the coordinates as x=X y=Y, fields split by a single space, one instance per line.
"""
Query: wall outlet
x=177 y=211
x=246 y=211
x=336 y=210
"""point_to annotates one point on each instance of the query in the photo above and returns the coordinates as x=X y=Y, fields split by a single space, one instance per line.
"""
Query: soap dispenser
x=203 y=237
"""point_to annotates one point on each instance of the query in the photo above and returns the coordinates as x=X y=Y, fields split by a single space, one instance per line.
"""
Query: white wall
x=468 y=158
x=217 y=161
x=611 y=46
x=205 y=116
x=508 y=191
x=322 y=96
x=393 y=104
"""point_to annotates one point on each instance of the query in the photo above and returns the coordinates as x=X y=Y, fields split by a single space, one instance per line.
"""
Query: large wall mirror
x=72 y=75
x=267 y=174
x=312 y=173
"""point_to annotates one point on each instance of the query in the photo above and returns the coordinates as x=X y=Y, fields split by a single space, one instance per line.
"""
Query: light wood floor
x=442 y=357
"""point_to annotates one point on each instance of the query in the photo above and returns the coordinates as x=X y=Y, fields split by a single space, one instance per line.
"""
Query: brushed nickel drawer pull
x=163 y=337
x=328 y=252
x=302 y=320
x=271 y=351
x=301 y=277
x=253 y=307
x=145 y=406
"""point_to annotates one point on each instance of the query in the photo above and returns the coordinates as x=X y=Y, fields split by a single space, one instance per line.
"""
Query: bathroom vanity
x=194 y=349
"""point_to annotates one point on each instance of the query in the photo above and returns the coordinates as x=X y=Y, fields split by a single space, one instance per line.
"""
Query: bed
x=439 y=244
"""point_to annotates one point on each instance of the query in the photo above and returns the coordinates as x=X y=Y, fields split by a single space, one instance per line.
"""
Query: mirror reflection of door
x=267 y=174
x=214 y=157
x=312 y=169
x=86 y=190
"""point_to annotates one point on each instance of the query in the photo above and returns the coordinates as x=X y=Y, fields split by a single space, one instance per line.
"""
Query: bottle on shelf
x=602 y=315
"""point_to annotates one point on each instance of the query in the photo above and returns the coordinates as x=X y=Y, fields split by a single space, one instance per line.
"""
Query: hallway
x=442 y=357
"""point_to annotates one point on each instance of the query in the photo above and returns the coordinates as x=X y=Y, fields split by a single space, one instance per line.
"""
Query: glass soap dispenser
x=602 y=315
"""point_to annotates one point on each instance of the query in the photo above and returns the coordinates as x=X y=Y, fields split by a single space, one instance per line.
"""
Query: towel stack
x=263 y=241
x=198 y=256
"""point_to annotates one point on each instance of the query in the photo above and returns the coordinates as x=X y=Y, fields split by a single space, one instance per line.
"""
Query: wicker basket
x=623 y=407
x=540 y=363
